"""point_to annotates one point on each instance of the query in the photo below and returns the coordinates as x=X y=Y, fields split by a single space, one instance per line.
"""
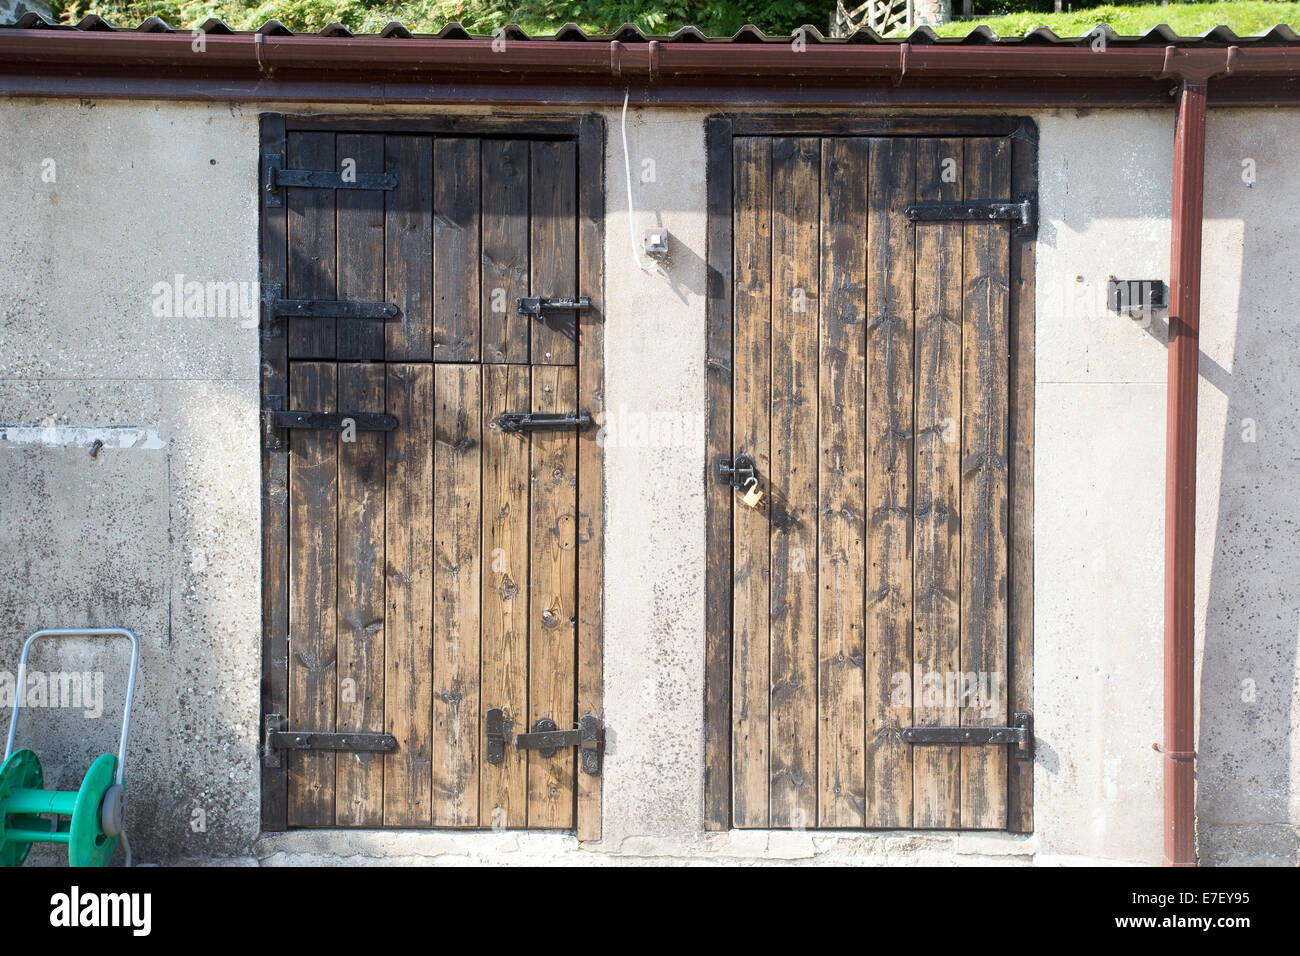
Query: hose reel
x=88 y=820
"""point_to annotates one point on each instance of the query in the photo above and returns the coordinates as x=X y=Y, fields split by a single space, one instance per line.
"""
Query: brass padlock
x=753 y=494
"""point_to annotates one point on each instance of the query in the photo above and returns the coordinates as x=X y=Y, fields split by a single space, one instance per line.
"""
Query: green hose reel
x=87 y=820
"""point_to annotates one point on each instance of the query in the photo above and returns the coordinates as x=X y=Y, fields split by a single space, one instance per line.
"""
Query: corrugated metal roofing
x=1160 y=35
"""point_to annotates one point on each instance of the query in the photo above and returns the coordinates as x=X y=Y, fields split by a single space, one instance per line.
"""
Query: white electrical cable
x=627 y=169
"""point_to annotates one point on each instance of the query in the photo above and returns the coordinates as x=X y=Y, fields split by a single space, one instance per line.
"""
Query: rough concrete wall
x=180 y=522
x=1248 y=690
x=157 y=531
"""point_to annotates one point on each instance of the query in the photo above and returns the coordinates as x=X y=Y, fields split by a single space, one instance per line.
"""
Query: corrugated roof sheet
x=1160 y=35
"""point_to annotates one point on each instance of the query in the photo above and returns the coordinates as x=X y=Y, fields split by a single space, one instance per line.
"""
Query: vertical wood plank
x=591 y=463
x=408 y=239
x=504 y=787
x=841 y=734
x=360 y=246
x=752 y=289
x=311 y=245
x=890 y=264
x=313 y=592
x=553 y=207
x=408 y=594
x=1024 y=178
x=718 y=497
x=985 y=344
x=792 y=510
x=936 y=656
x=505 y=249
x=457 y=494
x=275 y=494
x=552 y=610
x=457 y=250
x=359 y=777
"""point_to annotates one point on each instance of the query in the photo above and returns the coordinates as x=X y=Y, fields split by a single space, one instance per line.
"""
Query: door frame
x=720 y=129
x=587 y=131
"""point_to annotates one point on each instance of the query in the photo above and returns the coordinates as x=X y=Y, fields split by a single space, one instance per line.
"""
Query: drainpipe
x=1179 y=744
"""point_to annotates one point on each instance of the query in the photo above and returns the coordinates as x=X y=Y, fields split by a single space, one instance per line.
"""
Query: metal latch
x=547 y=739
x=275 y=418
x=333 y=309
x=275 y=177
x=1022 y=210
x=278 y=738
x=738 y=473
x=512 y=422
x=1020 y=734
x=536 y=305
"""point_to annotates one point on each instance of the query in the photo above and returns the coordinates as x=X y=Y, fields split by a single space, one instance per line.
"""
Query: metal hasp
x=735 y=473
x=275 y=177
x=1022 y=210
x=496 y=731
x=1020 y=733
x=547 y=739
x=512 y=422
x=538 y=304
x=277 y=737
x=333 y=309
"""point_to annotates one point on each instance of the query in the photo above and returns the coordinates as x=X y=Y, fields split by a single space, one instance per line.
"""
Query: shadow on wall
x=1247 y=800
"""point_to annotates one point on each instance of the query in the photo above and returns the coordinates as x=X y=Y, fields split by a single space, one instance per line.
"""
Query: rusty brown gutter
x=421 y=69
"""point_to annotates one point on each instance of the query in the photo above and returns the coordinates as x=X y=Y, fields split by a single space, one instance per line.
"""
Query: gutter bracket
x=903 y=50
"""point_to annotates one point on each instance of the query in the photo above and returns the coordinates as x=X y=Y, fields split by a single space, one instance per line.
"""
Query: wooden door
x=421 y=576
x=872 y=360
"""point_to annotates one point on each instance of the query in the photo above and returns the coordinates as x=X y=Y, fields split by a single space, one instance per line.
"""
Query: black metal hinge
x=512 y=422
x=275 y=177
x=275 y=418
x=1023 y=211
x=277 y=738
x=547 y=739
x=1020 y=734
x=538 y=304
x=333 y=309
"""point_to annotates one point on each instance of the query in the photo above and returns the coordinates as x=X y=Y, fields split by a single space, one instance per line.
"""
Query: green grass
x=1189 y=19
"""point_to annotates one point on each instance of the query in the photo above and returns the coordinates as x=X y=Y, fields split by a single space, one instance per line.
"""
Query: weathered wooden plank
x=408 y=594
x=1020 y=651
x=553 y=229
x=503 y=799
x=457 y=250
x=718 y=498
x=408 y=239
x=986 y=258
x=313 y=593
x=457 y=494
x=552 y=605
x=890 y=264
x=311 y=245
x=792 y=509
x=841 y=737
x=505 y=249
x=360 y=231
x=275 y=498
x=752 y=290
x=936 y=634
x=590 y=532
x=359 y=777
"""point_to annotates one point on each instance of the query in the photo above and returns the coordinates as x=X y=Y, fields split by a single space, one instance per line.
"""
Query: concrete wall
x=146 y=191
